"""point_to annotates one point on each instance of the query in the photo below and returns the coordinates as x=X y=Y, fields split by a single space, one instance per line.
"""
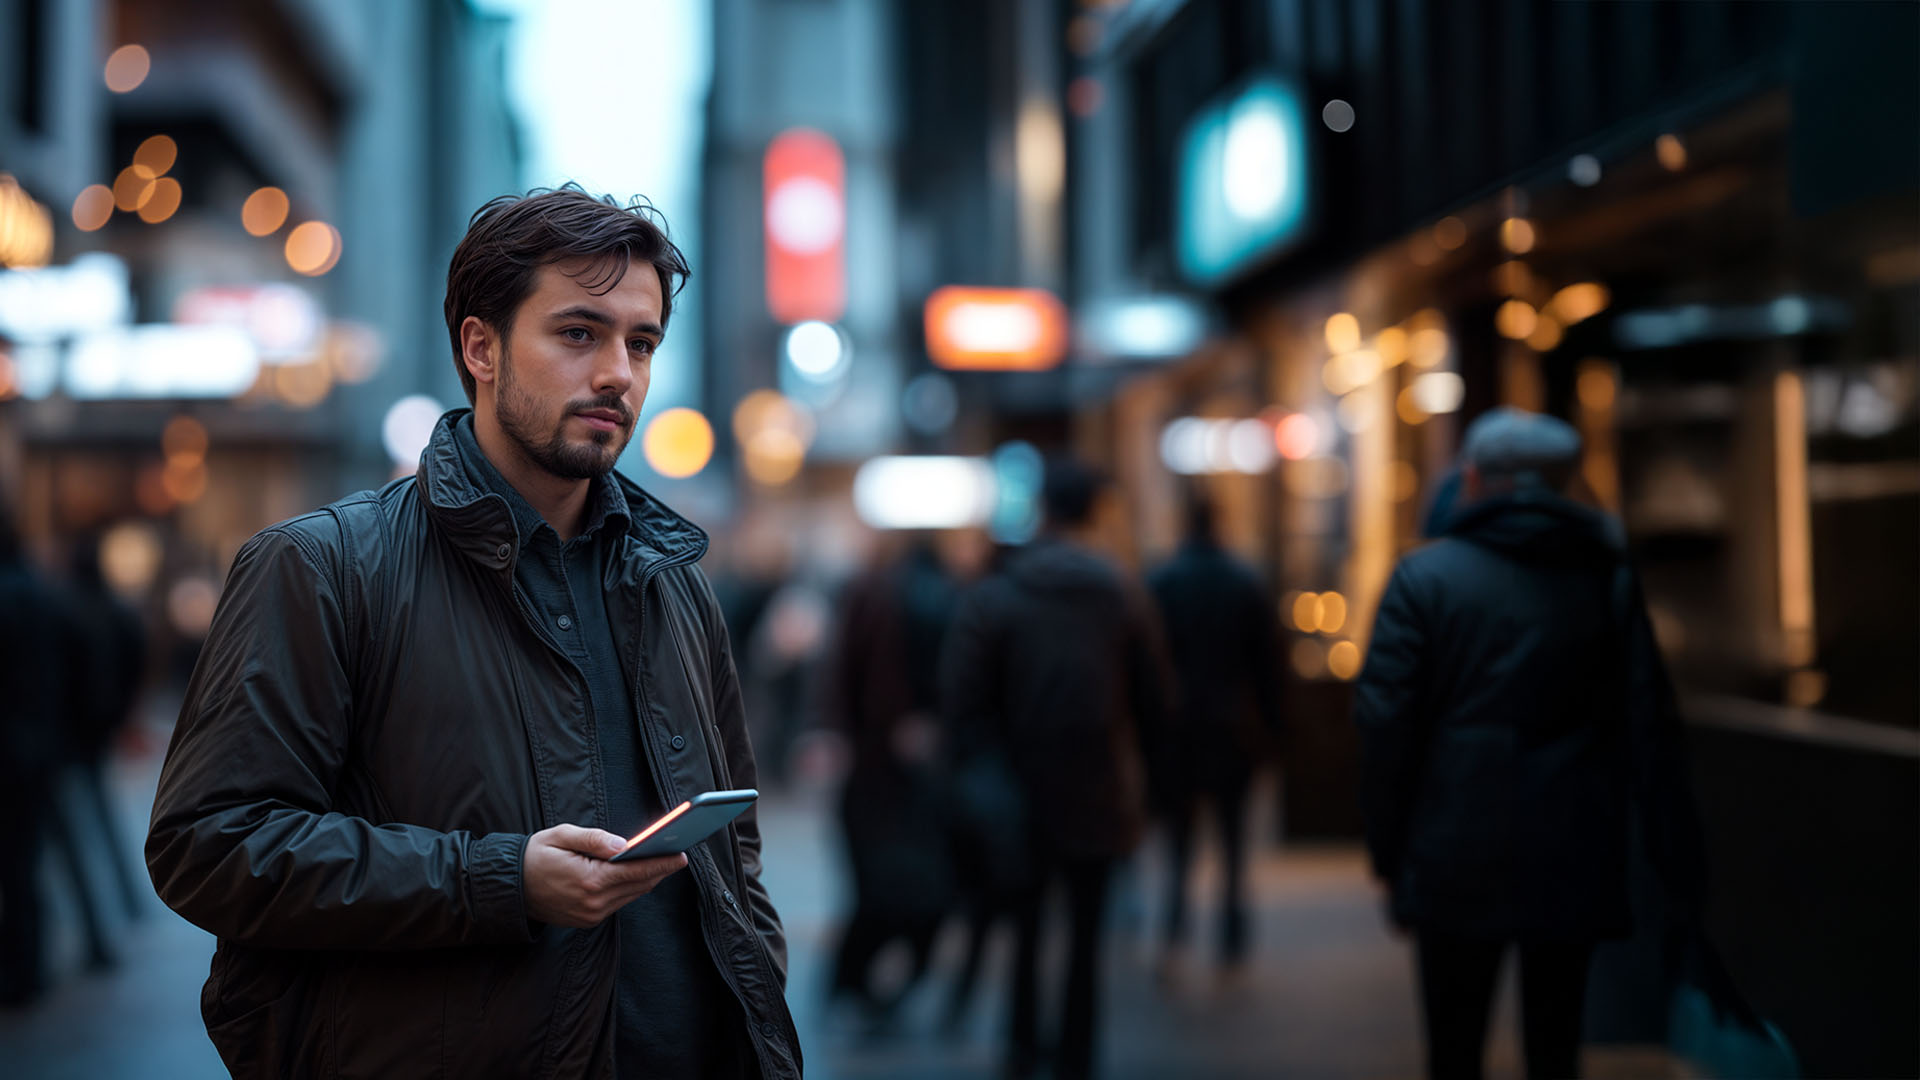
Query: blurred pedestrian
x=1513 y=710
x=884 y=692
x=110 y=667
x=426 y=718
x=1052 y=672
x=32 y=678
x=1222 y=635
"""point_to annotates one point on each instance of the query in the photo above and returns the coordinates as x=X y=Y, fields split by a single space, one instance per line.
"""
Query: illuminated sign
x=805 y=193
x=1244 y=178
x=283 y=320
x=162 y=361
x=924 y=492
x=59 y=301
x=995 y=329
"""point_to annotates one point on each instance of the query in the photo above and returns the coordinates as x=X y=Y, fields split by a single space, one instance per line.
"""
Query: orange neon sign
x=974 y=329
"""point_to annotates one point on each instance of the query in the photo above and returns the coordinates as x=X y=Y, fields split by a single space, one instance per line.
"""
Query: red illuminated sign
x=805 y=215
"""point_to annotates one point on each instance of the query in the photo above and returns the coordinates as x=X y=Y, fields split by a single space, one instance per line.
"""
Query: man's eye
x=576 y=334
x=641 y=346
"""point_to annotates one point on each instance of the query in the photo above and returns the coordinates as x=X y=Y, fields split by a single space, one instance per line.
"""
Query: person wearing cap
x=1512 y=710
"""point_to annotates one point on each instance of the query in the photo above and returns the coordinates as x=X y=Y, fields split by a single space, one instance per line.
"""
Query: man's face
x=574 y=370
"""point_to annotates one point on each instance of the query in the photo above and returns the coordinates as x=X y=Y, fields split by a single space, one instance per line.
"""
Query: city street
x=1328 y=994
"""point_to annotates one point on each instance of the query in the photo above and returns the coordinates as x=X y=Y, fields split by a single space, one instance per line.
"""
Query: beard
x=521 y=422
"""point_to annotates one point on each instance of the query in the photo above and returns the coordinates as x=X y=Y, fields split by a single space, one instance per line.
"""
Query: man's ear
x=479 y=349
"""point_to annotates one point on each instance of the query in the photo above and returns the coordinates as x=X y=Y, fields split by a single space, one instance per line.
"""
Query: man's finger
x=597 y=843
x=641 y=875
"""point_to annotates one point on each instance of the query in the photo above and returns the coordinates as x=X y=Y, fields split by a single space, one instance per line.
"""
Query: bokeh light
x=1343 y=660
x=1517 y=235
x=157 y=154
x=313 y=247
x=127 y=68
x=264 y=211
x=93 y=207
x=133 y=187
x=162 y=201
x=1515 y=319
x=678 y=443
x=1343 y=333
x=184 y=439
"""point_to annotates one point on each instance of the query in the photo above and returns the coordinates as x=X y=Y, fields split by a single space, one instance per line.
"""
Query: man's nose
x=612 y=371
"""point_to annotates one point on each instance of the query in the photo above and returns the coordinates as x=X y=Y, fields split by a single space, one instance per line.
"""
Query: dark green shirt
x=674 y=1016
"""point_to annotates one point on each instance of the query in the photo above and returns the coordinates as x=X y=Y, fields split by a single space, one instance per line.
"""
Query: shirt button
x=565 y=621
x=679 y=742
x=503 y=551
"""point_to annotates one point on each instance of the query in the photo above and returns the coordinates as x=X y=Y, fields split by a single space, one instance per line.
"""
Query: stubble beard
x=519 y=420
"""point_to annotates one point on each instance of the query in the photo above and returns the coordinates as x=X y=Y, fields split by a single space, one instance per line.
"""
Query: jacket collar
x=481 y=523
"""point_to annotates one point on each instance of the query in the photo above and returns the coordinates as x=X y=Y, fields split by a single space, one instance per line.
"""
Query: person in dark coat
x=1222 y=635
x=1512 y=711
x=1053 y=669
x=32 y=659
x=884 y=691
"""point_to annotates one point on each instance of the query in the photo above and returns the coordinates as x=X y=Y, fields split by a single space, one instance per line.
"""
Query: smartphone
x=687 y=824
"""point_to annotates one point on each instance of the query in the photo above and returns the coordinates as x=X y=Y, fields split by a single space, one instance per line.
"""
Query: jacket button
x=679 y=742
x=727 y=896
x=565 y=621
x=503 y=551
x=766 y=1029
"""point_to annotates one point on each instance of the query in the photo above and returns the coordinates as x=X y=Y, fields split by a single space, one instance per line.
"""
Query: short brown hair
x=512 y=236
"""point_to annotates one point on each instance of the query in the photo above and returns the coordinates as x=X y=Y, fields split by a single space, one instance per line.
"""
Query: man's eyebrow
x=601 y=318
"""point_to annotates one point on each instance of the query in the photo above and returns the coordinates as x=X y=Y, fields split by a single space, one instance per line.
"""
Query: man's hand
x=569 y=882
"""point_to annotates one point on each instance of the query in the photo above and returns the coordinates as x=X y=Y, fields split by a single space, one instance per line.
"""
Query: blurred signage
x=1142 y=328
x=162 y=361
x=929 y=492
x=283 y=322
x=26 y=227
x=805 y=208
x=1244 y=180
x=55 y=302
x=972 y=329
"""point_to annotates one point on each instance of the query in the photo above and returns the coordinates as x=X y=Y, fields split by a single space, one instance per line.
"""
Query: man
x=1513 y=703
x=1052 y=670
x=425 y=717
x=1222 y=638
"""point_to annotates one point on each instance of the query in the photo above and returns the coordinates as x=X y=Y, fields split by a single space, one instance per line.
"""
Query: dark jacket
x=1513 y=705
x=1222 y=640
x=1053 y=667
x=374 y=729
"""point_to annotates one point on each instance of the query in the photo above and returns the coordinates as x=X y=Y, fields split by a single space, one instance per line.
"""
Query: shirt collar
x=605 y=501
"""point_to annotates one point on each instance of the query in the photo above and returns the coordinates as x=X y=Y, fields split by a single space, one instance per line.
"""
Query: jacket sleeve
x=1392 y=714
x=244 y=841
x=730 y=717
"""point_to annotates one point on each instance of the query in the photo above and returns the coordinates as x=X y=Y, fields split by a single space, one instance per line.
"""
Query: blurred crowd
x=1018 y=720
